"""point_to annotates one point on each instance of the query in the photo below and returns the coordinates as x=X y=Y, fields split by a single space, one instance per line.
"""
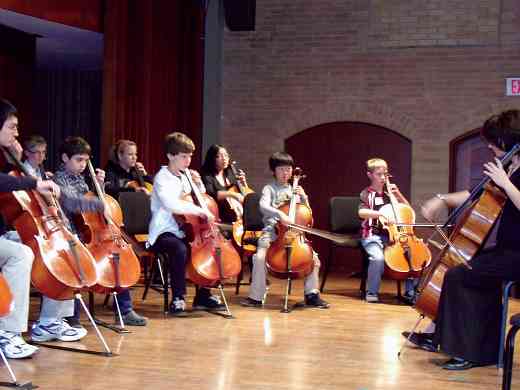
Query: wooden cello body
x=213 y=258
x=62 y=264
x=140 y=182
x=406 y=255
x=291 y=255
x=238 y=211
x=476 y=218
x=6 y=297
x=116 y=263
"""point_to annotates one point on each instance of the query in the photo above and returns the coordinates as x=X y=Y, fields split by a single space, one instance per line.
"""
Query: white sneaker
x=14 y=346
x=58 y=330
x=371 y=298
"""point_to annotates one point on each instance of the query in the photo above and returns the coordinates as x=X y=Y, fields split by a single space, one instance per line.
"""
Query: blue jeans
x=374 y=246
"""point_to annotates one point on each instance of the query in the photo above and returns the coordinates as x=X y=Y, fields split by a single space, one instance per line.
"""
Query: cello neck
x=140 y=178
x=292 y=204
x=195 y=190
x=97 y=187
x=393 y=200
x=241 y=187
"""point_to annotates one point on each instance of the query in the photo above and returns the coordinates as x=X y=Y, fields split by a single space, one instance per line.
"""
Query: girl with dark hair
x=218 y=177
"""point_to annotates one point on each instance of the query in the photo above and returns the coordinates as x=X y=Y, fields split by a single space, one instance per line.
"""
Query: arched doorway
x=333 y=157
x=468 y=153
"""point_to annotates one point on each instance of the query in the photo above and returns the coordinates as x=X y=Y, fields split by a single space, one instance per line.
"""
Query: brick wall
x=428 y=69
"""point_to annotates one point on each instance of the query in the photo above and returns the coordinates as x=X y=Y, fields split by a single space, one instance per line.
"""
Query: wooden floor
x=353 y=345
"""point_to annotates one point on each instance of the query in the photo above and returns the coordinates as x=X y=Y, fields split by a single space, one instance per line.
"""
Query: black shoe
x=458 y=364
x=73 y=321
x=178 y=307
x=211 y=303
x=422 y=340
x=250 y=302
x=314 y=300
x=408 y=299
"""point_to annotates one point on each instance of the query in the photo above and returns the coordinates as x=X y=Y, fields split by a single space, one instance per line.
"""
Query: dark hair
x=74 y=145
x=510 y=119
x=280 y=159
x=500 y=130
x=32 y=141
x=176 y=143
x=6 y=110
x=210 y=160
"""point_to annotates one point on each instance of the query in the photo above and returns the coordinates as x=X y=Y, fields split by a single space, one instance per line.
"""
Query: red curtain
x=17 y=62
x=153 y=75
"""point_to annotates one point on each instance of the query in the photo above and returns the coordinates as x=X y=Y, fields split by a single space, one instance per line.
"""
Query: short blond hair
x=374 y=163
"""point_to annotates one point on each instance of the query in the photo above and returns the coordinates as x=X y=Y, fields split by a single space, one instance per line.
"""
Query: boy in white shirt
x=165 y=234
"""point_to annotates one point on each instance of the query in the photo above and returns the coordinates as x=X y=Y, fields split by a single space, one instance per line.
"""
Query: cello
x=62 y=264
x=140 y=182
x=478 y=214
x=116 y=263
x=405 y=255
x=299 y=262
x=213 y=258
x=290 y=256
x=237 y=208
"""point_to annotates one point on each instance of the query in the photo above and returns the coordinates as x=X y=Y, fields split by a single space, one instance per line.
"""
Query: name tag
x=378 y=201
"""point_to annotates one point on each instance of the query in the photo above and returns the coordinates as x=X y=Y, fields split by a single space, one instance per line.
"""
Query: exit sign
x=513 y=86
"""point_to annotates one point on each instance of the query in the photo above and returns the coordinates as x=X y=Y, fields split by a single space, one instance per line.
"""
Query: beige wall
x=430 y=70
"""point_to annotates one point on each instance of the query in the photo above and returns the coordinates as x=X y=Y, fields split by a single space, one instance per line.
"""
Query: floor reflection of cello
x=406 y=255
x=62 y=264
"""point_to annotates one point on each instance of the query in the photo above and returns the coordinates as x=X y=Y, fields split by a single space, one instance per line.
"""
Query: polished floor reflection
x=353 y=345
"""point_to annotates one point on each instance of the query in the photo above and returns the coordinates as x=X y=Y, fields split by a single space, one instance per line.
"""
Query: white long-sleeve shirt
x=168 y=189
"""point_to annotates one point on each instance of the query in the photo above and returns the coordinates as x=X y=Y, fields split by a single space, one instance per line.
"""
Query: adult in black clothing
x=124 y=168
x=218 y=178
x=468 y=321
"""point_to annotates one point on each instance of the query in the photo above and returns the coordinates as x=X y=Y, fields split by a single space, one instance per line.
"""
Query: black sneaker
x=422 y=340
x=178 y=307
x=408 y=298
x=250 y=302
x=211 y=303
x=314 y=300
x=73 y=322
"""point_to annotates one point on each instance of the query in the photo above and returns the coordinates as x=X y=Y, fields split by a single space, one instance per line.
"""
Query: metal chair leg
x=505 y=306
x=327 y=267
x=508 y=361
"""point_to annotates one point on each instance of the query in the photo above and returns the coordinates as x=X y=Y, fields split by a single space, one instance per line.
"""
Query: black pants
x=178 y=252
x=469 y=316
